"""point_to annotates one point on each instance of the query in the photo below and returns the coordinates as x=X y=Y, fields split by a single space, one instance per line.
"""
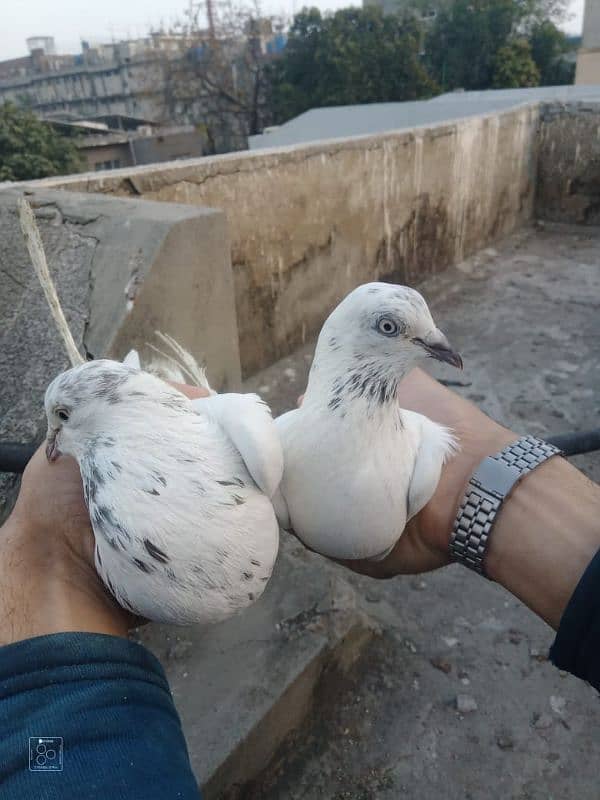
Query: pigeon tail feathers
x=182 y=360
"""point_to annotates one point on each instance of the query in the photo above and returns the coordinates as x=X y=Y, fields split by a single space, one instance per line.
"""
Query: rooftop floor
x=526 y=318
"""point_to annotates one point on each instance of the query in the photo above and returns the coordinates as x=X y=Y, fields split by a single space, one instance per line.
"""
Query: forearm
x=545 y=536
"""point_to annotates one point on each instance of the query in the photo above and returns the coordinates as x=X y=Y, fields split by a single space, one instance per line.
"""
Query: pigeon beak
x=437 y=346
x=52 y=451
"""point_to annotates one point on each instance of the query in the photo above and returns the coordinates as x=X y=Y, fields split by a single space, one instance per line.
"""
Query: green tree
x=464 y=41
x=352 y=56
x=31 y=149
x=463 y=44
x=515 y=67
x=549 y=45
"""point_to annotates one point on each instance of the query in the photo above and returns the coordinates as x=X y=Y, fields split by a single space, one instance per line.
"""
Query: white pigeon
x=357 y=467
x=177 y=490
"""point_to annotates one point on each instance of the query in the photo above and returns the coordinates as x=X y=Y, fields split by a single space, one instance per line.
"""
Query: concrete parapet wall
x=123 y=269
x=309 y=223
x=568 y=187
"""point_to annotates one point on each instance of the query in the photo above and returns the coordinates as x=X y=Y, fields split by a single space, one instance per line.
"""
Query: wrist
x=439 y=516
x=546 y=534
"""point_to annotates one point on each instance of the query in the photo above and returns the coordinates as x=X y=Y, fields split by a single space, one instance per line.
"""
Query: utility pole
x=210 y=17
x=192 y=14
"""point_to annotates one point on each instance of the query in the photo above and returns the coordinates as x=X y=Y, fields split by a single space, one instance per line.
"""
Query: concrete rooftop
x=319 y=124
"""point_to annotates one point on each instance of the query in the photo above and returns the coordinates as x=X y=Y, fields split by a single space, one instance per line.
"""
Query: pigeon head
x=78 y=400
x=373 y=337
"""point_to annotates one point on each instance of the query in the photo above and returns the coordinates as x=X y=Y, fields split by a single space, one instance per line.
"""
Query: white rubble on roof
x=335 y=122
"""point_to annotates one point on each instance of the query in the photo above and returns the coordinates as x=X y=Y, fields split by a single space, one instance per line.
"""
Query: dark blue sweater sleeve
x=576 y=648
x=85 y=715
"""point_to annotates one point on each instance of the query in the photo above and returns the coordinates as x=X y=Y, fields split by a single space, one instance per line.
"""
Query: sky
x=69 y=21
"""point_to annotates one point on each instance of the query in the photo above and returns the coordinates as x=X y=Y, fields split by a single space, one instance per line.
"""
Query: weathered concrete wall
x=309 y=223
x=123 y=269
x=568 y=187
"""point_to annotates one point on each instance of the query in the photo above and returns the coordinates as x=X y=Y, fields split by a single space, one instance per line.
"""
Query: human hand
x=424 y=544
x=47 y=576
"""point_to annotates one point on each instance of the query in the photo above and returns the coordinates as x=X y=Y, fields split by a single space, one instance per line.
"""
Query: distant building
x=117 y=78
x=141 y=78
x=588 y=58
x=116 y=141
x=425 y=10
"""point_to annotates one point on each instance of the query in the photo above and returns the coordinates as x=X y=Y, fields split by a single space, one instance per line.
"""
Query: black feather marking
x=96 y=475
x=383 y=391
x=239 y=501
x=254 y=562
x=90 y=491
x=98 y=559
x=160 y=478
x=173 y=402
x=232 y=482
x=250 y=596
x=107 y=385
x=152 y=491
x=156 y=552
x=247 y=576
x=142 y=566
x=171 y=575
x=105 y=520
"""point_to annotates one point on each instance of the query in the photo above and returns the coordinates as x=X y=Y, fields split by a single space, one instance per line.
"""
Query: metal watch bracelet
x=490 y=484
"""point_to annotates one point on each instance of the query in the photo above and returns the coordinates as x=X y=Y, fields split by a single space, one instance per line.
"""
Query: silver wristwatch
x=491 y=482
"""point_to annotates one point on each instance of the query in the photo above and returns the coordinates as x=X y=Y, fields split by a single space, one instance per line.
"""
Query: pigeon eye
x=388 y=327
x=62 y=414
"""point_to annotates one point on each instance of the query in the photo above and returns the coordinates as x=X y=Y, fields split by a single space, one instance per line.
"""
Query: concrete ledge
x=243 y=686
x=308 y=223
x=123 y=269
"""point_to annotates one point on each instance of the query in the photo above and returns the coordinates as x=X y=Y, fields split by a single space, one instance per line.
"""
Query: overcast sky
x=69 y=21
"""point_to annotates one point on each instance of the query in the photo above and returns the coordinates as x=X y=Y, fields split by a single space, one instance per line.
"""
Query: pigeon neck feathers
x=346 y=377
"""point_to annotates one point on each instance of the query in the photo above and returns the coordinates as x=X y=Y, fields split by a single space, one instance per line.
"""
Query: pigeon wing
x=436 y=445
x=247 y=420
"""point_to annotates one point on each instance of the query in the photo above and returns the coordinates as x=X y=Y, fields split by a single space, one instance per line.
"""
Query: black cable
x=14 y=456
x=575 y=444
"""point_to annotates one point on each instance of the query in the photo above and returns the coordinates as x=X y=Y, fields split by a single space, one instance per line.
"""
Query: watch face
x=496 y=477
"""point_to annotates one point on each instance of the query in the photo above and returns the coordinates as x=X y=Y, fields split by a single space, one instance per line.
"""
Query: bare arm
x=546 y=533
